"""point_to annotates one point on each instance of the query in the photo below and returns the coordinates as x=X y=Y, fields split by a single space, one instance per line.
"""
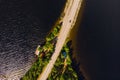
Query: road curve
x=71 y=12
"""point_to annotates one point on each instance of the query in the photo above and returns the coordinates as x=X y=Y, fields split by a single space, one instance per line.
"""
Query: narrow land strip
x=71 y=13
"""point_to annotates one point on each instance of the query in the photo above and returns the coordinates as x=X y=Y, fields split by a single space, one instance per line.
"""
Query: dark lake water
x=98 y=40
x=23 y=25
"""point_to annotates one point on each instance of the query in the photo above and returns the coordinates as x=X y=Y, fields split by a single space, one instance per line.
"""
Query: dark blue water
x=99 y=39
x=23 y=25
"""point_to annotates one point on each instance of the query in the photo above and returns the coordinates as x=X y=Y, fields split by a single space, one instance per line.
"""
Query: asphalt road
x=71 y=12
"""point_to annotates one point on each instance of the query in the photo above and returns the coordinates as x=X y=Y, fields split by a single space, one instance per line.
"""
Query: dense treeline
x=62 y=69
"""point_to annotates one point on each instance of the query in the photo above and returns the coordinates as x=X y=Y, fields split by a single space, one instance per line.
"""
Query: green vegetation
x=45 y=54
x=62 y=69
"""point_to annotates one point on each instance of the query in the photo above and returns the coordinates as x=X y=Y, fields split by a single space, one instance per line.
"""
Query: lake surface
x=98 y=40
x=23 y=25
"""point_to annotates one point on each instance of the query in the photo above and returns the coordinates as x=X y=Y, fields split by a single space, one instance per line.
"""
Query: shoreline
x=73 y=32
x=58 y=20
x=71 y=13
x=73 y=36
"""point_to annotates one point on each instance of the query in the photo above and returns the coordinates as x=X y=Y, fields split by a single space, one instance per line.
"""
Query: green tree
x=55 y=31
